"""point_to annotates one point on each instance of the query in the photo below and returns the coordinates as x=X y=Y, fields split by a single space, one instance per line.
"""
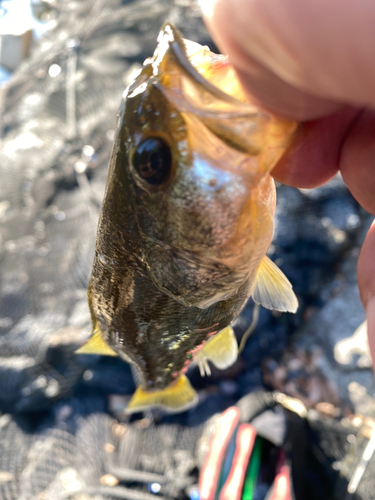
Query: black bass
x=186 y=222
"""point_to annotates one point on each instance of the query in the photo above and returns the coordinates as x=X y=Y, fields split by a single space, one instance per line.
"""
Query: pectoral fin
x=177 y=397
x=96 y=345
x=272 y=289
x=221 y=349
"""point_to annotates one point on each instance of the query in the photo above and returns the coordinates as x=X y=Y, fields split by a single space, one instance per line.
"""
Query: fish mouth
x=178 y=46
x=238 y=123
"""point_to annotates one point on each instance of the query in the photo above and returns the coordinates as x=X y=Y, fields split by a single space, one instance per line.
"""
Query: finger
x=321 y=47
x=357 y=162
x=313 y=157
x=366 y=283
x=274 y=94
x=262 y=84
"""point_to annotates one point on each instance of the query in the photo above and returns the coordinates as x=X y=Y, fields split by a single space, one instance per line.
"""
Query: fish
x=186 y=222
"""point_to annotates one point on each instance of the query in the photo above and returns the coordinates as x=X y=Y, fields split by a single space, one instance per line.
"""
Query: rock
x=339 y=318
x=354 y=351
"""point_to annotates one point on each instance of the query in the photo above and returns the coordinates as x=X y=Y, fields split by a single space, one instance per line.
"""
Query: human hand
x=312 y=61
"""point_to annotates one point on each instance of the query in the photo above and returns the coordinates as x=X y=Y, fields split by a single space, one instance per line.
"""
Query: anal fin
x=272 y=288
x=178 y=396
x=96 y=345
x=222 y=350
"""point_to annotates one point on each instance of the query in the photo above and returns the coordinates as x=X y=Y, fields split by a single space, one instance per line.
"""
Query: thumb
x=299 y=59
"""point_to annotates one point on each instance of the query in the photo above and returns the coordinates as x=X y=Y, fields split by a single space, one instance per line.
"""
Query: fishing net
x=81 y=452
x=63 y=433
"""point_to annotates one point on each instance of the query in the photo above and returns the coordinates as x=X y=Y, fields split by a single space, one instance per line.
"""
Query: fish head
x=196 y=161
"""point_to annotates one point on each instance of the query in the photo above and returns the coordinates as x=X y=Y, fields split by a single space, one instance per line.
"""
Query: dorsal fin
x=272 y=289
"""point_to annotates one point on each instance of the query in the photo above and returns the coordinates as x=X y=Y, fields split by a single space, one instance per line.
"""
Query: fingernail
x=370 y=315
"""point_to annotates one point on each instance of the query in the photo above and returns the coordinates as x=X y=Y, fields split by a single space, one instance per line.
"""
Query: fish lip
x=208 y=102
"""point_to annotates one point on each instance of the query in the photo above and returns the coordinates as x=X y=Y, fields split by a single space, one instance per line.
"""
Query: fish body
x=186 y=221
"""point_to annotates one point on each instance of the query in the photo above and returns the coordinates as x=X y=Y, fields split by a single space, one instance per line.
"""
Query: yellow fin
x=272 y=289
x=96 y=345
x=177 y=397
x=221 y=349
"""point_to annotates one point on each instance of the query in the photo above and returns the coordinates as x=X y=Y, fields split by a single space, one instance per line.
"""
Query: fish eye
x=152 y=160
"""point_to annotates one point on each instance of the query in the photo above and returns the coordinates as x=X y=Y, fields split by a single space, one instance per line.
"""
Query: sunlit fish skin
x=186 y=222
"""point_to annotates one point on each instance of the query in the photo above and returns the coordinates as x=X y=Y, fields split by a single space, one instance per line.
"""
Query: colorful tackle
x=186 y=222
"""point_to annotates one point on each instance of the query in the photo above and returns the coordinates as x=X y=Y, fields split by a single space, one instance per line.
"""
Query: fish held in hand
x=186 y=222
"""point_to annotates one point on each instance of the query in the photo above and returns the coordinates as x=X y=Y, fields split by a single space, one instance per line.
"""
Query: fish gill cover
x=62 y=427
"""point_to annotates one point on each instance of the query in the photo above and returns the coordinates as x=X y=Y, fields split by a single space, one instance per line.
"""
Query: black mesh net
x=79 y=451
